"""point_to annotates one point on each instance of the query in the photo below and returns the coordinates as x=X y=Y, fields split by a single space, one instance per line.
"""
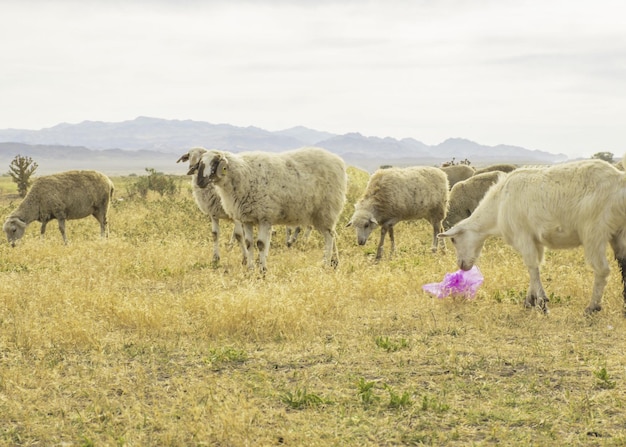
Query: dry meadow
x=140 y=340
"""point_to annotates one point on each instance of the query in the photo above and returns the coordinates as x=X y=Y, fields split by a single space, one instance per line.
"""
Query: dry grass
x=139 y=340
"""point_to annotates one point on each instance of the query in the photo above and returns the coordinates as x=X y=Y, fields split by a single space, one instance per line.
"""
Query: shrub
x=155 y=181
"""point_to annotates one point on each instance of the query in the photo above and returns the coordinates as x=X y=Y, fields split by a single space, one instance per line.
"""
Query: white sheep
x=466 y=195
x=562 y=206
x=396 y=194
x=209 y=203
x=63 y=196
x=301 y=187
x=457 y=173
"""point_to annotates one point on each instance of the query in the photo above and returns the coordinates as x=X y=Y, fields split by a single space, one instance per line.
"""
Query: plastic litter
x=460 y=283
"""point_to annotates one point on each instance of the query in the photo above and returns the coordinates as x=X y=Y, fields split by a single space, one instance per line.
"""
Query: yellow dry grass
x=140 y=340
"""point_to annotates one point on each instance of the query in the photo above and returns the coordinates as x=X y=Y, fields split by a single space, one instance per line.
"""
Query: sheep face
x=467 y=243
x=217 y=167
x=14 y=229
x=364 y=223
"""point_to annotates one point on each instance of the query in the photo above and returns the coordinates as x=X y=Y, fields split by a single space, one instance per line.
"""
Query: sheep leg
x=104 y=227
x=43 y=227
x=438 y=228
x=62 y=229
x=536 y=296
x=532 y=254
x=248 y=235
x=596 y=257
x=393 y=241
x=238 y=234
x=307 y=233
x=383 y=232
x=619 y=249
x=263 y=244
x=331 y=252
x=102 y=219
x=622 y=267
x=292 y=237
x=215 y=231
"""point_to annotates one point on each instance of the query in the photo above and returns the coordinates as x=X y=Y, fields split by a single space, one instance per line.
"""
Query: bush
x=155 y=181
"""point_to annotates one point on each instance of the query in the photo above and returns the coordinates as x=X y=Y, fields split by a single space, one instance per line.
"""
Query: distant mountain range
x=131 y=146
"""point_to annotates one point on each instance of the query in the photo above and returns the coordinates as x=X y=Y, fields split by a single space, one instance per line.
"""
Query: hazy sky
x=544 y=74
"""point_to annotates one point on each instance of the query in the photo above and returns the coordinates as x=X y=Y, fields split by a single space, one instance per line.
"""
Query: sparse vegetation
x=140 y=340
x=606 y=156
x=21 y=171
x=454 y=162
x=164 y=185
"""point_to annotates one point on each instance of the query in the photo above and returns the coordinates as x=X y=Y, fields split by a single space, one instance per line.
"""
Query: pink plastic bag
x=459 y=283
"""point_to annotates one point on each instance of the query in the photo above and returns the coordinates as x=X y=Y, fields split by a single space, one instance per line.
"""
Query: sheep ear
x=222 y=167
x=183 y=158
x=452 y=232
x=13 y=223
x=193 y=169
x=374 y=221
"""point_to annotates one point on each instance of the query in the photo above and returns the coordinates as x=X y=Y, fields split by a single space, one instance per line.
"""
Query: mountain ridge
x=155 y=141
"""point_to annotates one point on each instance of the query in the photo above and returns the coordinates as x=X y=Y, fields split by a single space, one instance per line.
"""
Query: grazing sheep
x=562 y=206
x=396 y=194
x=63 y=196
x=502 y=167
x=301 y=187
x=466 y=195
x=457 y=173
x=210 y=204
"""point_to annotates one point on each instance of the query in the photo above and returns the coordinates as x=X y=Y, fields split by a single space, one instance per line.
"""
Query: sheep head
x=14 y=228
x=216 y=164
x=193 y=156
x=467 y=243
x=364 y=223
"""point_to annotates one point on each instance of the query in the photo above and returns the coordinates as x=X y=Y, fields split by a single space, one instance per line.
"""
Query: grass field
x=139 y=340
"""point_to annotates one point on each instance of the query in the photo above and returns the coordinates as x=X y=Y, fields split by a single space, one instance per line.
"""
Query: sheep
x=502 y=167
x=305 y=186
x=561 y=206
x=465 y=196
x=396 y=194
x=209 y=203
x=62 y=196
x=457 y=173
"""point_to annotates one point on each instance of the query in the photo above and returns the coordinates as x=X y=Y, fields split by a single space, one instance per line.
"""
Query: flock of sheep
x=561 y=206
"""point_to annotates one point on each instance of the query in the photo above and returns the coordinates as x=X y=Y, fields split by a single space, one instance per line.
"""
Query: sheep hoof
x=530 y=302
x=590 y=310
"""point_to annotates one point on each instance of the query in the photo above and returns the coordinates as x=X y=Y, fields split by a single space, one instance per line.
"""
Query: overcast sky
x=544 y=74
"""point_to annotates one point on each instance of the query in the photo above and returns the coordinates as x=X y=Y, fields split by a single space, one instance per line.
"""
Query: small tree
x=606 y=156
x=21 y=170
